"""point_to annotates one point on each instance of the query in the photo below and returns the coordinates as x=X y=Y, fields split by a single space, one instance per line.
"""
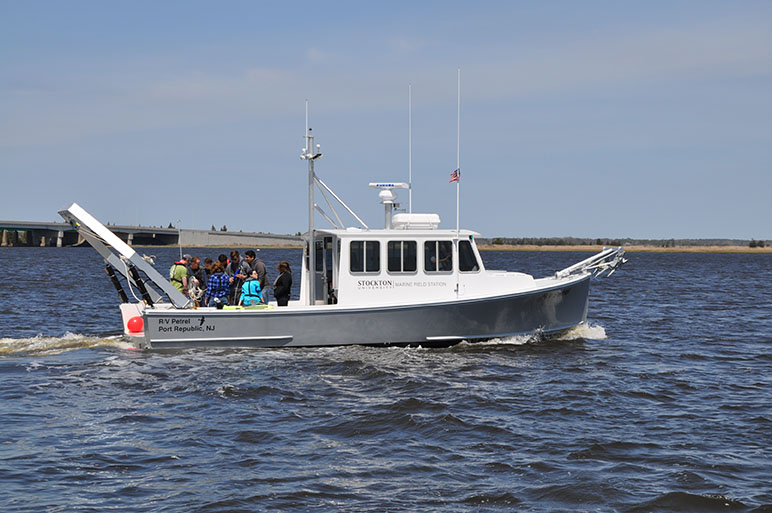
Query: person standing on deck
x=199 y=274
x=207 y=267
x=255 y=264
x=237 y=271
x=217 y=287
x=283 y=284
x=178 y=274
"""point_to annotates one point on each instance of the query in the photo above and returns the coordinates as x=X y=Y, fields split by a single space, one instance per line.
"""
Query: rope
x=128 y=278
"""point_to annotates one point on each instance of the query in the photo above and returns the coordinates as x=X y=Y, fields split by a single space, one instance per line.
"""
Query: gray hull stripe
x=285 y=338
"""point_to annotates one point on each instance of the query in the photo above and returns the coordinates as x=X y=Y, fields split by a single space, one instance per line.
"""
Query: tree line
x=586 y=241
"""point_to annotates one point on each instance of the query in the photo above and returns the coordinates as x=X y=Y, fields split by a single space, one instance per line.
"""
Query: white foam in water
x=41 y=345
x=585 y=331
x=516 y=340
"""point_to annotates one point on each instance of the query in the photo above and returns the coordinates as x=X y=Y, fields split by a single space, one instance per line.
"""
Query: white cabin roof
x=354 y=233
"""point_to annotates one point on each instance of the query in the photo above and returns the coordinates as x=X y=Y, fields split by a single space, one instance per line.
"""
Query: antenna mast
x=309 y=155
x=410 y=145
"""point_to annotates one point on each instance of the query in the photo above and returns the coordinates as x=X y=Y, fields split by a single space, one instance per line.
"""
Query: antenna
x=388 y=197
x=410 y=145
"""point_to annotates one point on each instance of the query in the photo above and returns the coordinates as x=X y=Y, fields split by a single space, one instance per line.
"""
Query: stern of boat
x=133 y=321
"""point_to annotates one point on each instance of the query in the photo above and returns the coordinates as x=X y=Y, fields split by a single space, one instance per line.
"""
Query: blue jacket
x=250 y=293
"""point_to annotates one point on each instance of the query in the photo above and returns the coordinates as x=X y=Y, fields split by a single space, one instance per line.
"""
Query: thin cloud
x=316 y=56
x=613 y=61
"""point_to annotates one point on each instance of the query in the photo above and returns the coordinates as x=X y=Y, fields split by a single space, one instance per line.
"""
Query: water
x=662 y=403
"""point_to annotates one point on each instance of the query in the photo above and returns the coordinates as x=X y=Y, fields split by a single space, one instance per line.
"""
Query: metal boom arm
x=99 y=236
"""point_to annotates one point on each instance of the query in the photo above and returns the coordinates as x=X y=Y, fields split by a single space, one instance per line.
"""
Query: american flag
x=455 y=176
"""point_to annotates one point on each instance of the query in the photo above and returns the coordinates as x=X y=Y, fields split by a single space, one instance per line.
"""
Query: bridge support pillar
x=43 y=241
x=4 y=242
x=131 y=239
x=59 y=238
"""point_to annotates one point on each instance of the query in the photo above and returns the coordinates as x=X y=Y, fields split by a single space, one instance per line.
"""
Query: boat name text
x=184 y=325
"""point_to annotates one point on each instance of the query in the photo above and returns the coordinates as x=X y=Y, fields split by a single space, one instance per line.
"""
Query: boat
x=408 y=283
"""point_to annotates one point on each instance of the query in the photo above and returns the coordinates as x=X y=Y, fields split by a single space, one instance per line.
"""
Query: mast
x=410 y=145
x=309 y=155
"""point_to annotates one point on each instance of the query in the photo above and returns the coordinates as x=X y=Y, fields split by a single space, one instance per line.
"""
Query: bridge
x=32 y=233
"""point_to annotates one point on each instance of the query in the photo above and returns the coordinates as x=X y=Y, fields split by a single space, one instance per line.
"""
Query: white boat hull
x=552 y=308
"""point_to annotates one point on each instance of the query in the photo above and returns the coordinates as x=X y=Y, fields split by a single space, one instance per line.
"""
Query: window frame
x=363 y=256
x=437 y=243
x=474 y=255
x=402 y=246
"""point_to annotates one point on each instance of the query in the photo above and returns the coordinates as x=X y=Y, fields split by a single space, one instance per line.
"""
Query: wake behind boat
x=407 y=283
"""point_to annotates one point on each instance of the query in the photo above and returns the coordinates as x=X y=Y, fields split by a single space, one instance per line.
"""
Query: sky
x=585 y=119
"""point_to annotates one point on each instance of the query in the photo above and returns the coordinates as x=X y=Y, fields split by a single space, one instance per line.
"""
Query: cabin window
x=319 y=256
x=467 y=261
x=402 y=256
x=438 y=256
x=364 y=256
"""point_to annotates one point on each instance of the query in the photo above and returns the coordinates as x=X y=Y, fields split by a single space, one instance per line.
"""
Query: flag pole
x=458 y=181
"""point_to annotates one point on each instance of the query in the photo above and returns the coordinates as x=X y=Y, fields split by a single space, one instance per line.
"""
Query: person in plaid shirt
x=218 y=285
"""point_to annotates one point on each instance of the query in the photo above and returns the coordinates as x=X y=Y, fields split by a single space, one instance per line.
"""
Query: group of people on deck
x=230 y=281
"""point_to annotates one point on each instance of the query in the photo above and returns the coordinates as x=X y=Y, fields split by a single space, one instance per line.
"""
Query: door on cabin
x=325 y=273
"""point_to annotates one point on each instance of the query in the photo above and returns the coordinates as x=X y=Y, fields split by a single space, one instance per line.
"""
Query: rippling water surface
x=662 y=403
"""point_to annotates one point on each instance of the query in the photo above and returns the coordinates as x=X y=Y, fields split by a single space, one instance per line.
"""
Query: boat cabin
x=356 y=266
x=401 y=265
x=410 y=260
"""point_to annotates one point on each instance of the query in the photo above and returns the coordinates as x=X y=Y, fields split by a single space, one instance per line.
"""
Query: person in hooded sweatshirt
x=250 y=291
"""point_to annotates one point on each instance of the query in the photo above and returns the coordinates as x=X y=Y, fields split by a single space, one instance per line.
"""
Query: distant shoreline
x=256 y=247
x=510 y=247
x=590 y=248
x=630 y=249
